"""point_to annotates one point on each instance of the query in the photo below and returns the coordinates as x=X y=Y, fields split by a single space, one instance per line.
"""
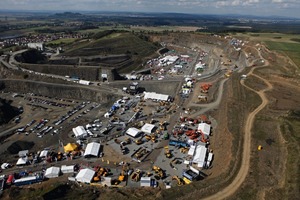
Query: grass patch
x=292 y=50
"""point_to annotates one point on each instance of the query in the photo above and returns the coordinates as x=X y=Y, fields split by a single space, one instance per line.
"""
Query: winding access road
x=243 y=171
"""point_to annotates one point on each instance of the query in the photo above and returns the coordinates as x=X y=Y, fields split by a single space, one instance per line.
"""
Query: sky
x=288 y=8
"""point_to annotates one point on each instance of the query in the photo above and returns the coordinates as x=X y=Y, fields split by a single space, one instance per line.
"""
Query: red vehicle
x=10 y=179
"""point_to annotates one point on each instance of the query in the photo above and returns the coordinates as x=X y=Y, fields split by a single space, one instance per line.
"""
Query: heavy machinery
x=184 y=149
x=159 y=172
x=203 y=139
x=148 y=137
x=205 y=87
x=138 y=141
x=179 y=181
x=168 y=154
x=186 y=181
x=136 y=175
x=122 y=175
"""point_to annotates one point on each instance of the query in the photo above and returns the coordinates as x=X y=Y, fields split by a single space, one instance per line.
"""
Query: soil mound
x=17 y=146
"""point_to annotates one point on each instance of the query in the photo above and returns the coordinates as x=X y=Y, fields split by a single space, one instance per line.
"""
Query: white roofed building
x=80 y=132
x=200 y=155
x=148 y=128
x=67 y=169
x=85 y=176
x=205 y=128
x=133 y=132
x=22 y=161
x=155 y=96
x=52 y=172
x=92 y=149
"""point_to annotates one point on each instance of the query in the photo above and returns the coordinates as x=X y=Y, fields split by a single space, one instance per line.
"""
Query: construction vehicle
x=138 y=141
x=166 y=136
x=122 y=175
x=136 y=175
x=167 y=152
x=205 y=87
x=179 y=181
x=148 y=137
x=160 y=173
x=153 y=138
x=186 y=181
x=184 y=150
x=203 y=139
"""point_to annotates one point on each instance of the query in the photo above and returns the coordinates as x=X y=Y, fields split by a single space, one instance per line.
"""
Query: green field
x=292 y=50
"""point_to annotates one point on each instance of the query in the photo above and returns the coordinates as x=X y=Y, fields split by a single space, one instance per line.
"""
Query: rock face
x=59 y=90
x=7 y=112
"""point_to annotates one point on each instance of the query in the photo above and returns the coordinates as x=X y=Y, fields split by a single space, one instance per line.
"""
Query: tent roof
x=155 y=96
x=52 y=171
x=92 y=149
x=44 y=153
x=200 y=155
x=23 y=153
x=205 y=128
x=70 y=147
x=22 y=161
x=133 y=132
x=79 y=131
x=147 y=128
x=85 y=175
x=65 y=168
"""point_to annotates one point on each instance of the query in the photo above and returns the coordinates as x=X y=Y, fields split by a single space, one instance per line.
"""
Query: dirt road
x=241 y=176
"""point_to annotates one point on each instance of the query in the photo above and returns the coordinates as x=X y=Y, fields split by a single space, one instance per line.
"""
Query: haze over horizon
x=286 y=8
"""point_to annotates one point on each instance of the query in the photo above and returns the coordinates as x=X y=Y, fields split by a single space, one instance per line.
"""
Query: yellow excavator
x=179 y=181
x=122 y=175
x=167 y=152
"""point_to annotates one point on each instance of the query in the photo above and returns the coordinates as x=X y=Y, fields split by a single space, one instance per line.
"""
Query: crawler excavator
x=179 y=181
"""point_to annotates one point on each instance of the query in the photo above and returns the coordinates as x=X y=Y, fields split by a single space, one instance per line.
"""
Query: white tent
x=205 y=128
x=133 y=132
x=22 y=161
x=23 y=153
x=148 y=128
x=155 y=96
x=52 y=172
x=85 y=175
x=92 y=149
x=80 y=132
x=67 y=169
x=44 y=153
x=199 y=157
x=146 y=181
x=192 y=150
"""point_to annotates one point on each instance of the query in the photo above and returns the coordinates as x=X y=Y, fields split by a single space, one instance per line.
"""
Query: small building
x=67 y=169
x=155 y=96
x=133 y=132
x=205 y=128
x=200 y=155
x=92 y=150
x=145 y=181
x=44 y=154
x=22 y=161
x=52 y=172
x=80 y=132
x=148 y=128
x=23 y=153
x=85 y=176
